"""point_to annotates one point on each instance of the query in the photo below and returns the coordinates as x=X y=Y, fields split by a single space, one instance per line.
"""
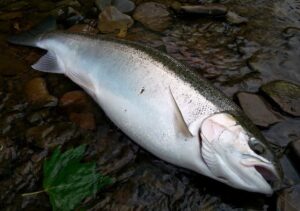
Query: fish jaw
x=226 y=152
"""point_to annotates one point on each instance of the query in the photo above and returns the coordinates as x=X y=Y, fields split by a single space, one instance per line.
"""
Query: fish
x=161 y=104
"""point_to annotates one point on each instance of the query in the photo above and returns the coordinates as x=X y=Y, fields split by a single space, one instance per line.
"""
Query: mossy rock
x=285 y=94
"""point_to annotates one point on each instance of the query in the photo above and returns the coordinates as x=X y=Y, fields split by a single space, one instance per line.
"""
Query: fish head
x=235 y=157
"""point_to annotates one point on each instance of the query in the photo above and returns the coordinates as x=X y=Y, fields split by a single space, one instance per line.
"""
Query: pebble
x=111 y=20
x=207 y=9
x=234 y=18
x=85 y=120
x=153 y=15
x=75 y=101
x=37 y=94
x=78 y=106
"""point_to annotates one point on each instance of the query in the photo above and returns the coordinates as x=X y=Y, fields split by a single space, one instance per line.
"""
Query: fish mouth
x=270 y=175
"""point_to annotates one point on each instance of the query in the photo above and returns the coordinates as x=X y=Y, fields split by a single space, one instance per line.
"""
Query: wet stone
x=153 y=15
x=124 y=5
x=285 y=94
x=111 y=20
x=288 y=199
x=257 y=109
x=10 y=66
x=75 y=101
x=293 y=150
x=52 y=135
x=84 y=120
x=17 y=6
x=102 y=4
x=38 y=95
x=10 y=15
x=207 y=9
x=8 y=154
x=234 y=18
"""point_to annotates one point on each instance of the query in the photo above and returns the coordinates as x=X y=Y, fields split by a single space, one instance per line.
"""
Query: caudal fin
x=29 y=38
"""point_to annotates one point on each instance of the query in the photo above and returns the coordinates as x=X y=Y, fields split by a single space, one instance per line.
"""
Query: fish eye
x=256 y=146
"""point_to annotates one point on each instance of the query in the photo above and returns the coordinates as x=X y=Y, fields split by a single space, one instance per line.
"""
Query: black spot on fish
x=142 y=90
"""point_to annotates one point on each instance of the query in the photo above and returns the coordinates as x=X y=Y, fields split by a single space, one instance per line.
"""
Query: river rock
x=10 y=66
x=10 y=15
x=207 y=9
x=52 y=135
x=111 y=19
x=285 y=94
x=7 y=155
x=38 y=95
x=288 y=199
x=75 y=101
x=124 y=5
x=102 y=4
x=79 y=108
x=257 y=109
x=153 y=15
x=293 y=150
x=234 y=18
x=84 y=120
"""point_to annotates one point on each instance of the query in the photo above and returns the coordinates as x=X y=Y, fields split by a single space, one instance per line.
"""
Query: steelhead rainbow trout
x=161 y=105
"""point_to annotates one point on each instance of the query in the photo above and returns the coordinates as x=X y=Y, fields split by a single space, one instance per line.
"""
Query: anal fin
x=48 y=63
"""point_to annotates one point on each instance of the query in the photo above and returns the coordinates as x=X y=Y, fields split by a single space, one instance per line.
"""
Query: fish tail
x=30 y=38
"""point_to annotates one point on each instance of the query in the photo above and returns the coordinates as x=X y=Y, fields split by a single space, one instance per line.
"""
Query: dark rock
x=288 y=199
x=70 y=3
x=124 y=5
x=8 y=154
x=293 y=150
x=38 y=116
x=285 y=94
x=75 y=101
x=102 y=4
x=10 y=66
x=257 y=109
x=153 y=15
x=10 y=15
x=84 y=120
x=52 y=135
x=283 y=132
x=234 y=18
x=19 y=5
x=38 y=95
x=207 y=9
x=111 y=20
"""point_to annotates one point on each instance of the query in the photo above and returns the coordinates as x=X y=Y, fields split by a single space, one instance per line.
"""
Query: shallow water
x=233 y=57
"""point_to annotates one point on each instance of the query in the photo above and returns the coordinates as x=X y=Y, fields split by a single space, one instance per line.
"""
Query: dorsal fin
x=179 y=121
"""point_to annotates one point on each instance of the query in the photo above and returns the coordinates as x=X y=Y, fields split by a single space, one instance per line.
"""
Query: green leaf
x=68 y=182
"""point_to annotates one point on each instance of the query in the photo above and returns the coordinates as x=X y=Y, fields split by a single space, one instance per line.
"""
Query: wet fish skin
x=157 y=101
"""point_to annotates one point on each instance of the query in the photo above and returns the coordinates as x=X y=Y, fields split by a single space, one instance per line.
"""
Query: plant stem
x=33 y=193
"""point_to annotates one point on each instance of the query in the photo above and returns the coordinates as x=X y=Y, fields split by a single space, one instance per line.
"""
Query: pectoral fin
x=210 y=132
x=179 y=122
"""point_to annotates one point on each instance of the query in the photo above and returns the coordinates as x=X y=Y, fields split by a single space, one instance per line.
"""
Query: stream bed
x=248 y=49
